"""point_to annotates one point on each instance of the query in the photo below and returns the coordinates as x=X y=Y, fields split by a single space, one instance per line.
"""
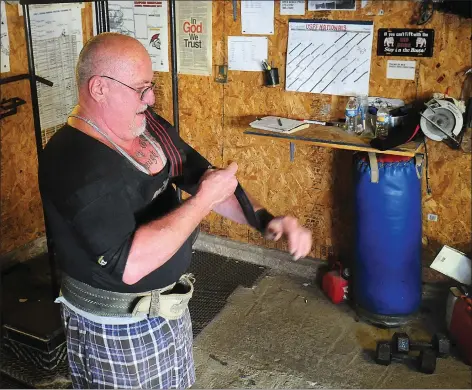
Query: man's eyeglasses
x=142 y=93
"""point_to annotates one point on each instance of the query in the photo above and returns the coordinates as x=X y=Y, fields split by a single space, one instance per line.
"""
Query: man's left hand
x=299 y=238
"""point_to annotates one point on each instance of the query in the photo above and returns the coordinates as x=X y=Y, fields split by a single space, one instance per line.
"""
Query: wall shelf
x=336 y=138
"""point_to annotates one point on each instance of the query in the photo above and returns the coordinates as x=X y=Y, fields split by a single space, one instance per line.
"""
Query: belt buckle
x=154 y=304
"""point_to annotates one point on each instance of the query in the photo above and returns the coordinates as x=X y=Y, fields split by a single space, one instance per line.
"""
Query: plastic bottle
x=363 y=107
x=352 y=115
x=383 y=122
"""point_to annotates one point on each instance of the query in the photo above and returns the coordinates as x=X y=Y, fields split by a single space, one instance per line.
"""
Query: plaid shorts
x=152 y=353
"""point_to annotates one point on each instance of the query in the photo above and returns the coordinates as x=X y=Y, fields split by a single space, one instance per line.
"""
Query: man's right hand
x=216 y=185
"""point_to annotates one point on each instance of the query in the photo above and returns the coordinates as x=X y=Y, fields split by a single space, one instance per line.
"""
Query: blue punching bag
x=387 y=265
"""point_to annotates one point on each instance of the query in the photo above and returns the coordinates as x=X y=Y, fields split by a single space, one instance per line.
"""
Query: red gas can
x=335 y=286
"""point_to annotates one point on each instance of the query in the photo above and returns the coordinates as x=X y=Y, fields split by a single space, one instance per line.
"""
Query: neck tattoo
x=143 y=142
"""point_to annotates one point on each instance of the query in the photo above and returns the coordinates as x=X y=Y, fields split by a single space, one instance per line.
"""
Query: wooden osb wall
x=317 y=186
x=21 y=218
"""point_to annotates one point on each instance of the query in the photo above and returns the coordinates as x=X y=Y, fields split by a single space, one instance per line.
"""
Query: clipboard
x=279 y=125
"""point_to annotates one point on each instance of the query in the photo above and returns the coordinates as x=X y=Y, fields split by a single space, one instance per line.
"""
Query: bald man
x=122 y=238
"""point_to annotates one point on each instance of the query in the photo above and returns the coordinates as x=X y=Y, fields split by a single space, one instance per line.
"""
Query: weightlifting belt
x=169 y=302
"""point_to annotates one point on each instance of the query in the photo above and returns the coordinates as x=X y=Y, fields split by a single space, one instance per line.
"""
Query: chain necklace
x=121 y=150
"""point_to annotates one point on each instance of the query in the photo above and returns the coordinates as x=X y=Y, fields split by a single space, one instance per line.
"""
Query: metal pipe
x=37 y=132
x=175 y=76
x=100 y=18
x=104 y=26
x=32 y=79
x=97 y=18
x=107 y=16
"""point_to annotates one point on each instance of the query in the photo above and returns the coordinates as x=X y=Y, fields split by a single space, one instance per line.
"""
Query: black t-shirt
x=94 y=201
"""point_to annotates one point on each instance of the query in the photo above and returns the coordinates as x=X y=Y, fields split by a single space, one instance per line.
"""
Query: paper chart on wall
x=151 y=30
x=329 y=57
x=401 y=70
x=121 y=17
x=292 y=7
x=4 y=41
x=257 y=17
x=147 y=22
x=52 y=6
x=247 y=53
x=57 y=41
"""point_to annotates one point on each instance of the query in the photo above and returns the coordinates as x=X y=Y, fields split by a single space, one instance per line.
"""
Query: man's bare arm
x=156 y=242
x=299 y=238
x=231 y=209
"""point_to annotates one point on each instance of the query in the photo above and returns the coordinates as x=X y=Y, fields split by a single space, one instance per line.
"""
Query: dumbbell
x=439 y=344
x=425 y=362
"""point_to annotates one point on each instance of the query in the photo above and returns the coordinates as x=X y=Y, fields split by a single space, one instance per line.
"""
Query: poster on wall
x=147 y=22
x=4 y=41
x=401 y=70
x=57 y=41
x=292 y=7
x=331 y=5
x=405 y=42
x=194 y=37
x=257 y=17
x=247 y=53
x=329 y=57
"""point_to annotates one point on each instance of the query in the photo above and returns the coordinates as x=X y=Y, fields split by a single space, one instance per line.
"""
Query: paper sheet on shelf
x=247 y=53
x=4 y=41
x=257 y=17
x=292 y=7
x=279 y=124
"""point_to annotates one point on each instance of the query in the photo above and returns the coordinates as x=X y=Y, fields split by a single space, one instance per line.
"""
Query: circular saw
x=442 y=121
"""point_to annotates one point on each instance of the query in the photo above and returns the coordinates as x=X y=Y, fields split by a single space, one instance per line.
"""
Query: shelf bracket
x=292 y=151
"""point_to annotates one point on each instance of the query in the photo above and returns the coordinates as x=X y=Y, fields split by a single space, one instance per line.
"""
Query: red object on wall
x=461 y=327
x=335 y=286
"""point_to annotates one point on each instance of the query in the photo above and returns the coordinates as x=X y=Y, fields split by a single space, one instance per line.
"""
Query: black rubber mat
x=29 y=375
x=9 y=383
x=216 y=278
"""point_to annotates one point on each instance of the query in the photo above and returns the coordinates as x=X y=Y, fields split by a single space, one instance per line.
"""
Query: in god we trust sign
x=194 y=37
x=405 y=42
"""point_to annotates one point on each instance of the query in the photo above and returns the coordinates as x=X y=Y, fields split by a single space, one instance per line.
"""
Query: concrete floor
x=283 y=334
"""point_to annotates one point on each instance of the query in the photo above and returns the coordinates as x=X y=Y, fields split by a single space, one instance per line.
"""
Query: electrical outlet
x=432 y=217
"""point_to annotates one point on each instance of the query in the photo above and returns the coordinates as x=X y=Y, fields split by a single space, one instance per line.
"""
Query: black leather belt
x=107 y=303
